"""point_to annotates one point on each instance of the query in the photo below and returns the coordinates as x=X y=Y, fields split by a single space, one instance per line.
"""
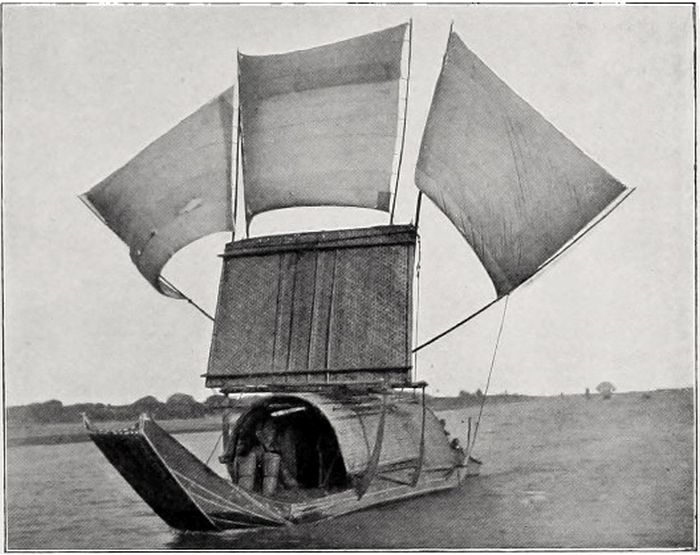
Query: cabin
x=326 y=442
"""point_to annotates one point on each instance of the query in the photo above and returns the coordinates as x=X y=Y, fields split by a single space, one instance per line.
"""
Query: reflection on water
x=558 y=472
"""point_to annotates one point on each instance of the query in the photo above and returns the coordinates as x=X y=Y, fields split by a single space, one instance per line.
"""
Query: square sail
x=320 y=126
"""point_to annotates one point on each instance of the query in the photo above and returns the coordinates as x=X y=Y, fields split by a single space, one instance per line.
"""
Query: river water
x=558 y=472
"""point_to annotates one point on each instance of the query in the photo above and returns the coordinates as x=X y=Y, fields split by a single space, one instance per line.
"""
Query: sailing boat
x=319 y=324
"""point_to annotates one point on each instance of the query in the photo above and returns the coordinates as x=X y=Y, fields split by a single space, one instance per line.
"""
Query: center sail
x=515 y=187
x=319 y=126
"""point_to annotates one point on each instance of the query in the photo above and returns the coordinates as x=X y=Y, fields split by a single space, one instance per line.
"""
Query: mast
x=405 y=117
x=238 y=152
x=419 y=199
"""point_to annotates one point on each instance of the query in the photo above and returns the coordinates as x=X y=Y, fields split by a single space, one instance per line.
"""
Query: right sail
x=513 y=185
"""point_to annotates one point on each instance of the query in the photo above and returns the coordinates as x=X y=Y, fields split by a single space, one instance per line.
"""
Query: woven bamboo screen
x=315 y=308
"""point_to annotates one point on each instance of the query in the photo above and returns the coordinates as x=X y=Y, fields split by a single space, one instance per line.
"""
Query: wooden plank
x=319 y=240
x=381 y=376
x=284 y=311
x=303 y=303
x=323 y=293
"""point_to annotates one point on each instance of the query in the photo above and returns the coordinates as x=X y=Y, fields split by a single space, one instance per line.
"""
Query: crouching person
x=269 y=462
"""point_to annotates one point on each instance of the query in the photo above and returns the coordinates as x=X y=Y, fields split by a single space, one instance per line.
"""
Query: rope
x=214 y=450
x=546 y=263
x=421 y=449
x=458 y=324
x=488 y=380
x=417 y=311
x=186 y=298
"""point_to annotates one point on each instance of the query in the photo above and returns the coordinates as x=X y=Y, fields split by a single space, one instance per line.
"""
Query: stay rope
x=470 y=447
x=417 y=311
x=214 y=450
x=221 y=435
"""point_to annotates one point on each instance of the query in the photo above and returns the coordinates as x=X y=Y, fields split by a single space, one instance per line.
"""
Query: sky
x=86 y=87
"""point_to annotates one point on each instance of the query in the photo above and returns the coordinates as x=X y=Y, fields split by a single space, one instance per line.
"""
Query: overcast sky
x=85 y=88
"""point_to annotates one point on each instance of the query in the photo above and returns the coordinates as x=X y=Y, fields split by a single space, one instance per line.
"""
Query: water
x=558 y=472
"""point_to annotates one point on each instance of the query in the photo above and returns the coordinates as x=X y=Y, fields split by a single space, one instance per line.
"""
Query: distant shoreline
x=62 y=433
x=58 y=433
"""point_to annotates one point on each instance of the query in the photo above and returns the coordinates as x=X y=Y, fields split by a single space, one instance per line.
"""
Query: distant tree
x=182 y=398
x=19 y=415
x=148 y=405
x=147 y=401
x=479 y=393
x=464 y=394
x=50 y=411
x=180 y=405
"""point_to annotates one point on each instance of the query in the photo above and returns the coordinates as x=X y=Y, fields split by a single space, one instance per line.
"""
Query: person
x=271 y=456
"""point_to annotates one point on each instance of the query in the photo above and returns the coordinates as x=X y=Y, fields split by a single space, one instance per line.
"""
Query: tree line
x=178 y=405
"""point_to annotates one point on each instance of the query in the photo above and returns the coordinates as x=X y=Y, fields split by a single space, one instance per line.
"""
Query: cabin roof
x=355 y=418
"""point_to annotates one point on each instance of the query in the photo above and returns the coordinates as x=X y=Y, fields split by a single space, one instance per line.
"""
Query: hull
x=188 y=495
x=180 y=489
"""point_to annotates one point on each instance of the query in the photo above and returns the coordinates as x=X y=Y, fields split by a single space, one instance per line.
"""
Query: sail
x=175 y=191
x=512 y=184
x=319 y=126
x=315 y=308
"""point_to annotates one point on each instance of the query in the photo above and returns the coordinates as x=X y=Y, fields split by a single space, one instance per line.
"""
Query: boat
x=318 y=326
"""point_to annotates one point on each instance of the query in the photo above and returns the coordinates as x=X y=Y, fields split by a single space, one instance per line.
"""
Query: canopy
x=319 y=126
x=175 y=191
x=513 y=185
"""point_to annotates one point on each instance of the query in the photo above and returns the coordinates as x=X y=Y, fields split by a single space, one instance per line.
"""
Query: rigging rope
x=554 y=257
x=417 y=312
x=186 y=298
x=488 y=381
x=215 y=446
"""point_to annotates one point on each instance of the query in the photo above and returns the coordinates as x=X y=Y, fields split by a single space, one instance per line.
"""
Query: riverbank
x=74 y=432
x=56 y=434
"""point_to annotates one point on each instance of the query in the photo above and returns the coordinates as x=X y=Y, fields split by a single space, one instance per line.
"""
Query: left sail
x=175 y=191
x=319 y=126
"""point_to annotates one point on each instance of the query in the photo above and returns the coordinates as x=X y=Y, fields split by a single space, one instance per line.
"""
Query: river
x=558 y=472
